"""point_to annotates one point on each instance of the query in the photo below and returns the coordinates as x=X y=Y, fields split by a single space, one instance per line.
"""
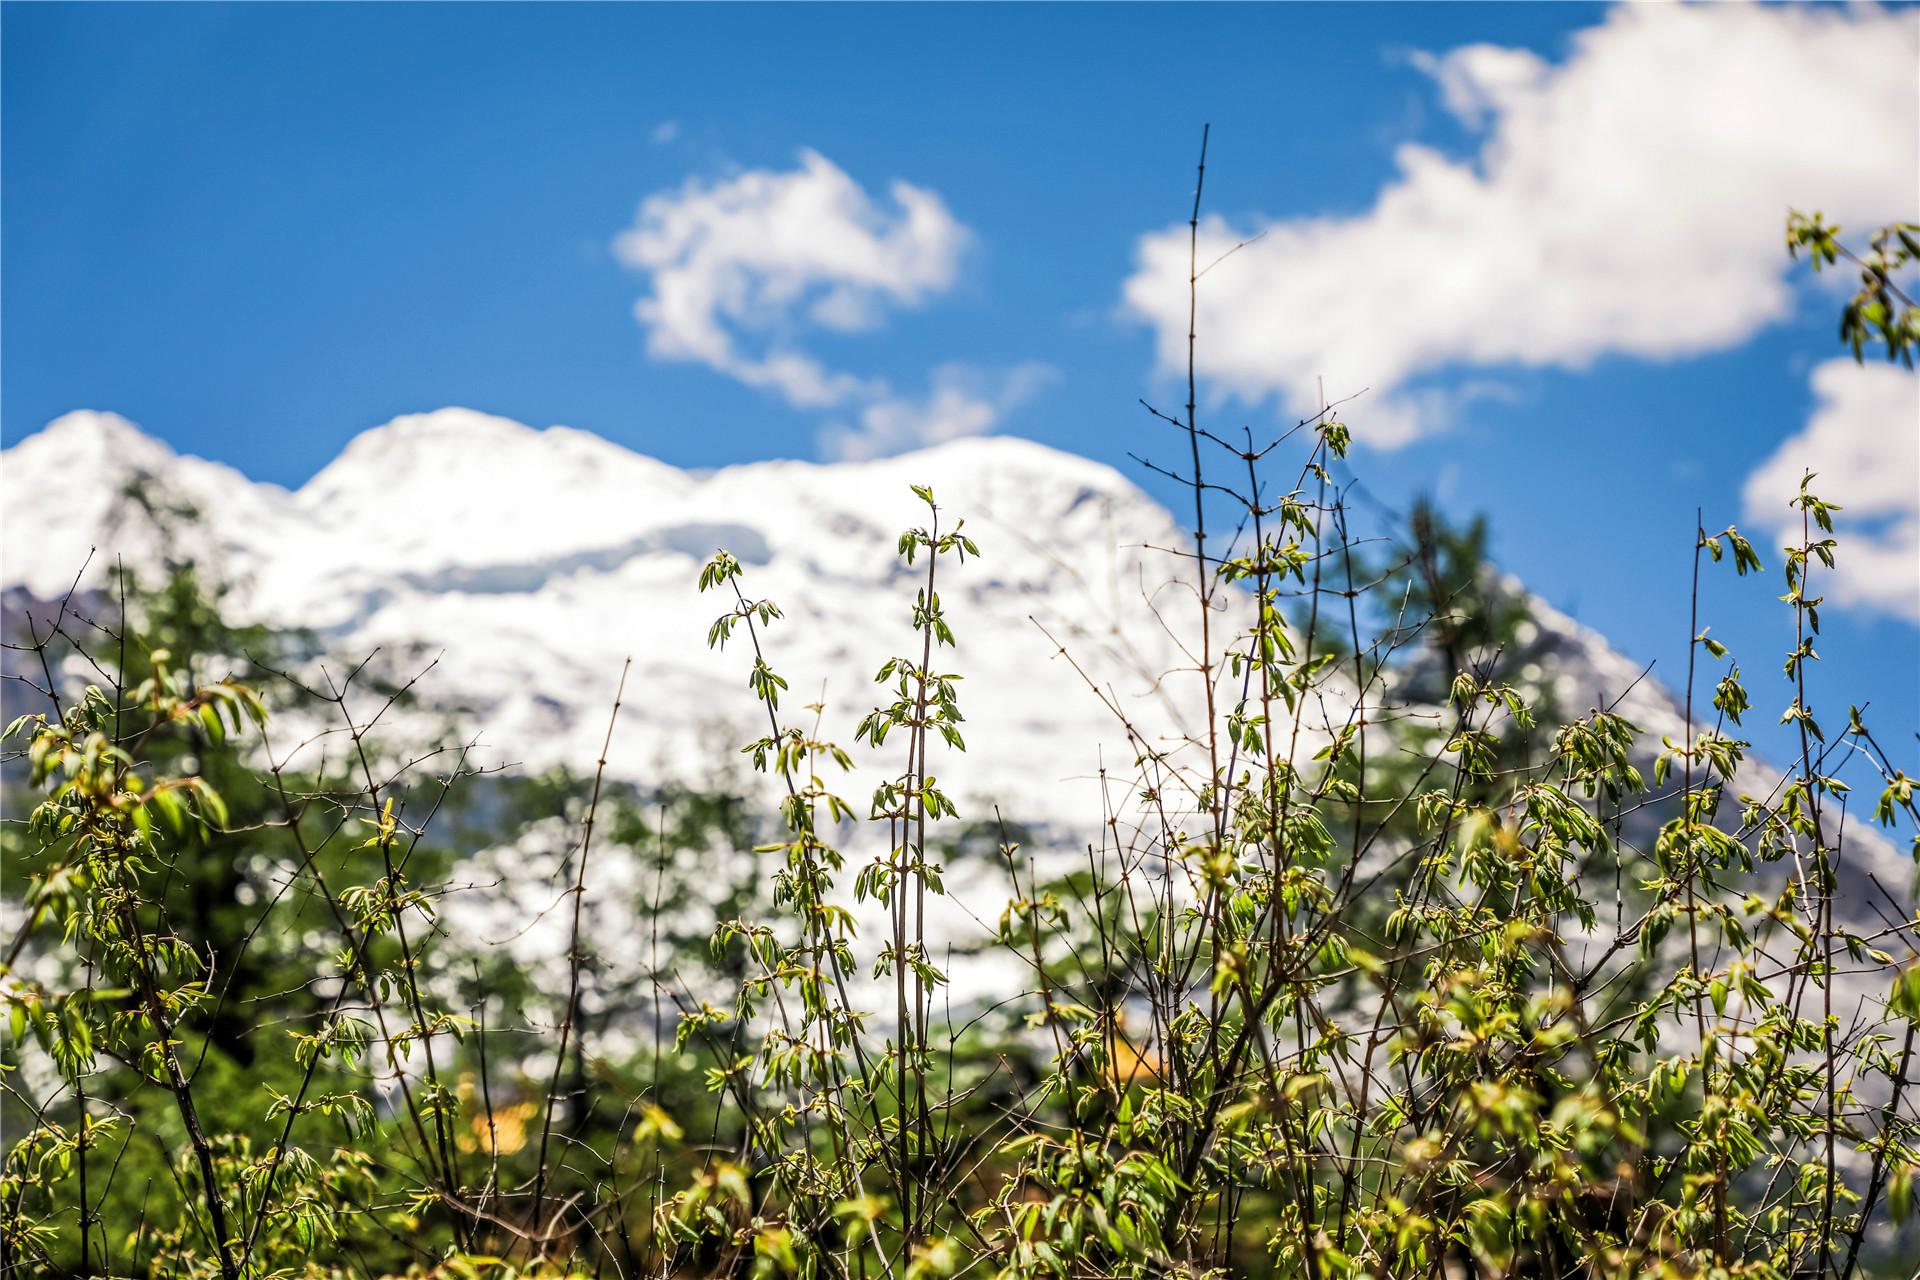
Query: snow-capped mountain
x=533 y=563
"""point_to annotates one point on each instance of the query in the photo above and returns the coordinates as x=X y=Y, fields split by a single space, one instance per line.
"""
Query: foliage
x=1331 y=994
x=1880 y=311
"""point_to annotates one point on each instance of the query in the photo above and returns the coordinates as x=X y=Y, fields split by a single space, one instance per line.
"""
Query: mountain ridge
x=527 y=565
x=539 y=560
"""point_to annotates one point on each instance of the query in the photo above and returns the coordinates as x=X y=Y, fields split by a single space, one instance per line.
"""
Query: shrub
x=1335 y=992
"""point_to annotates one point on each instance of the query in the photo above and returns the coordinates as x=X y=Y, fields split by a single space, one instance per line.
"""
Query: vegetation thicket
x=1389 y=968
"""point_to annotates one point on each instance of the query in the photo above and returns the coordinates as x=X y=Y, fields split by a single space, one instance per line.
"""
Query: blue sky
x=259 y=230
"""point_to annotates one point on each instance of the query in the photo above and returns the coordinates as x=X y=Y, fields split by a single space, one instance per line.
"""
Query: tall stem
x=573 y=948
x=1219 y=807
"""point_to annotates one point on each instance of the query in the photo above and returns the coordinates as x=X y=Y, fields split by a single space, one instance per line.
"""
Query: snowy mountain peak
x=539 y=560
x=63 y=491
x=85 y=440
x=452 y=449
x=534 y=563
x=425 y=485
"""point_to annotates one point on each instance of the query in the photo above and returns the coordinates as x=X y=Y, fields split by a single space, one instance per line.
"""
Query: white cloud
x=1629 y=200
x=743 y=268
x=963 y=401
x=1863 y=444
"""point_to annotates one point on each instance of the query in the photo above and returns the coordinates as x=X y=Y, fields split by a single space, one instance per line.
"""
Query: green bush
x=1389 y=968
